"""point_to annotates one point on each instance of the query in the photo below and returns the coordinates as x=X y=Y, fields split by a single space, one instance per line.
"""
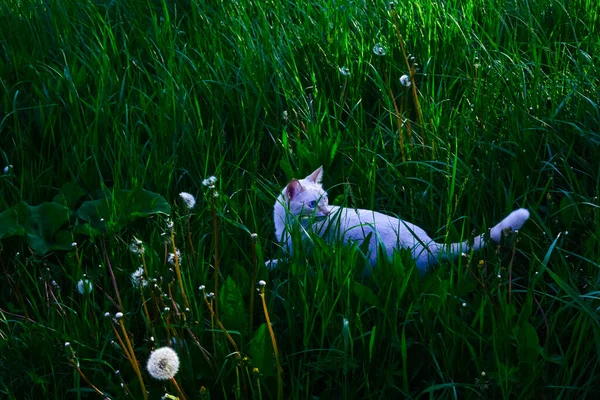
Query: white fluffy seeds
x=163 y=363
x=405 y=80
x=188 y=200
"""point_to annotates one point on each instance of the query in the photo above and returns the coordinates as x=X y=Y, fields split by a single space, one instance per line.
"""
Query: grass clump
x=448 y=115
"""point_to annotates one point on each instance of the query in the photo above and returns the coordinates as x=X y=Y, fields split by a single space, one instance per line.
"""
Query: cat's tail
x=514 y=221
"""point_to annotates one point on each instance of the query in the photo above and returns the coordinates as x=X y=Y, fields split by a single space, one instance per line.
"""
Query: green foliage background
x=102 y=98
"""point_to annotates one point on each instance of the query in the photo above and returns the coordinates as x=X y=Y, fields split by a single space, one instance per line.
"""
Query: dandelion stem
x=174 y=382
x=123 y=347
x=178 y=270
x=72 y=361
x=189 y=235
x=411 y=71
x=399 y=120
x=216 y=236
x=279 y=369
x=252 y=289
x=112 y=276
x=510 y=265
x=233 y=344
x=133 y=359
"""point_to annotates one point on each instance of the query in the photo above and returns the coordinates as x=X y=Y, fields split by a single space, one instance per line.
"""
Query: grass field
x=110 y=109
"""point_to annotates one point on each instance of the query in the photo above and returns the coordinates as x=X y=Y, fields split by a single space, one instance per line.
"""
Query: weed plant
x=448 y=114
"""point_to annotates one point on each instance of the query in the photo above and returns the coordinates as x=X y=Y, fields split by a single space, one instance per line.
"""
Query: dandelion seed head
x=483 y=373
x=405 y=80
x=171 y=259
x=67 y=344
x=188 y=199
x=262 y=283
x=210 y=182
x=202 y=287
x=74 y=244
x=379 y=50
x=136 y=247
x=464 y=304
x=84 y=286
x=107 y=315
x=253 y=236
x=344 y=71
x=163 y=363
x=137 y=278
x=119 y=315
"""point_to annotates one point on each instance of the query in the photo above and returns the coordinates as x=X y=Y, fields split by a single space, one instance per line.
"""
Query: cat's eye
x=312 y=204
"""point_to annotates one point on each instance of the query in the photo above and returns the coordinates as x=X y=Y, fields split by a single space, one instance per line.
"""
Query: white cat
x=304 y=201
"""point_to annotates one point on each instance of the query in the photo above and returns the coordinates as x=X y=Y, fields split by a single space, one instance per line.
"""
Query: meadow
x=448 y=114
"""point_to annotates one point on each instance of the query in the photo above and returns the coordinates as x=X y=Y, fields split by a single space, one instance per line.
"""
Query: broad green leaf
x=233 y=314
x=38 y=224
x=529 y=343
x=365 y=294
x=68 y=195
x=243 y=277
x=119 y=207
x=260 y=350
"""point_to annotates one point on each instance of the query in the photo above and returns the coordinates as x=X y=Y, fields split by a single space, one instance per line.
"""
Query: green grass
x=161 y=94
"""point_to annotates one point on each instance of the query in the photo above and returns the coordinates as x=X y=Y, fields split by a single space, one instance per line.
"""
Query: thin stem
x=254 y=273
x=133 y=359
x=174 y=382
x=189 y=235
x=112 y=276
x=233 y=344
x=178 y=270
x=279 y=369
x=216 y=236
x=86 y=379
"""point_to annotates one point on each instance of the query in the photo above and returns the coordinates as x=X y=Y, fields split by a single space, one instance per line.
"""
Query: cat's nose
x=324 y=210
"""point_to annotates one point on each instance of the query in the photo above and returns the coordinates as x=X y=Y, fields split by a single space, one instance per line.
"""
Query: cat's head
x=306 y=196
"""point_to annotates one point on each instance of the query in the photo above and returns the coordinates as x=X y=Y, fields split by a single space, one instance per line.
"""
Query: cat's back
x=359 y=222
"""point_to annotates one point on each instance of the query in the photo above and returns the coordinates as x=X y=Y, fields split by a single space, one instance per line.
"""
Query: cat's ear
x=293 y=188
x=316 y=176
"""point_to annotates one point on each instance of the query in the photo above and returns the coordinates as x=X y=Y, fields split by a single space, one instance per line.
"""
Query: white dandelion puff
x=344 y=71
x=136 y=246
x=188 y=199
x=379 y=50
x=210 y=182
x=171 y=259
x=85 y=286
x=405 y=80
x=138 y=279
x=163 y=363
